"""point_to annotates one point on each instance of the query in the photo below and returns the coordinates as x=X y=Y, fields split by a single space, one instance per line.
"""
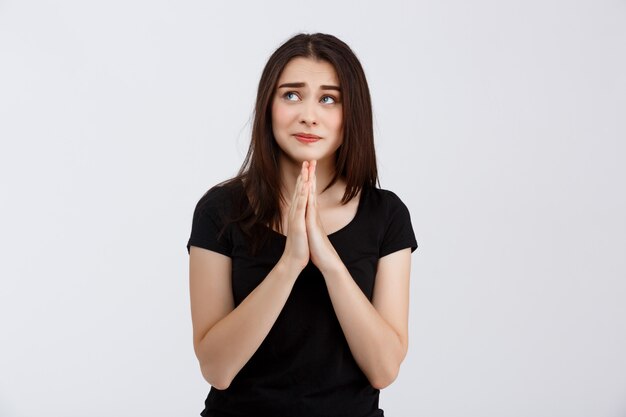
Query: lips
x=306 y=137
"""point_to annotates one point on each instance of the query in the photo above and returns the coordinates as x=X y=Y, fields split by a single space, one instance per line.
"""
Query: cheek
x=281 y=115
x=337 y=122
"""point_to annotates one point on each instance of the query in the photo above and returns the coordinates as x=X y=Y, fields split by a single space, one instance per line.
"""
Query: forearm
x=232 y=341
x=375 y=345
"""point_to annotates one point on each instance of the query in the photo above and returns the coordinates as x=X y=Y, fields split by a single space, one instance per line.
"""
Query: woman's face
x=307 y=100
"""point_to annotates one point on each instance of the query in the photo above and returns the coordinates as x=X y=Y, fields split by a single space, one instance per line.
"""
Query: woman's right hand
x=227 y=336
x=296 y=252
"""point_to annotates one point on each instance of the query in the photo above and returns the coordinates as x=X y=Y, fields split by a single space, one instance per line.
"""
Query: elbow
x=385 y=378
x=213 y=371
x=220 y=386
x=218 y=380
x=389 y=369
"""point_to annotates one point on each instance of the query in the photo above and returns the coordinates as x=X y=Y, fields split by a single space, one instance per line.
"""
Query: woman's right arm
x=225 y=337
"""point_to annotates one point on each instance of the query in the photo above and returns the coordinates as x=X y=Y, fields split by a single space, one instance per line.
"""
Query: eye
x=288 y=93
x=330 y=97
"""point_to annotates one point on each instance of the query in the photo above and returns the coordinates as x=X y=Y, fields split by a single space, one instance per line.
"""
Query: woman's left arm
x=377 y=332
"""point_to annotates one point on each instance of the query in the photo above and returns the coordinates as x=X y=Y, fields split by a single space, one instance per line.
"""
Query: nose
x=308 y=115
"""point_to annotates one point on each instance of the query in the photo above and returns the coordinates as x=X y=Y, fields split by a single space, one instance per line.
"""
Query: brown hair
x=355 y=158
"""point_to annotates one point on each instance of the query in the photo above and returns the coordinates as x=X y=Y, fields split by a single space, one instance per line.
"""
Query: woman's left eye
x=289 y=94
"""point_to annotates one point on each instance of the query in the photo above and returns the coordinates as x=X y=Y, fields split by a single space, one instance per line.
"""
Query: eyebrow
x=298 y=85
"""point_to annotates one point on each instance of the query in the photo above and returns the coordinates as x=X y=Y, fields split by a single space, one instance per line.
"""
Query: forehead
x=310 y=71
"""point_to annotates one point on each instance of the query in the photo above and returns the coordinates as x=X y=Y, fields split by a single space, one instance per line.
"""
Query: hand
x=297 y=247
x=322 y=252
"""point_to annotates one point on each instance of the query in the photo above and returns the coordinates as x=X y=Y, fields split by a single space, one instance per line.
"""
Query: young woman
x=299 y=266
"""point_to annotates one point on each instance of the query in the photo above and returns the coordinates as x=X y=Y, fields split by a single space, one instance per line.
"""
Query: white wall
x=501 y=124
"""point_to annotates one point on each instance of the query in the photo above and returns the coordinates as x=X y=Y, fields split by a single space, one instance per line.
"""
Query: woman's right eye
x=287 y=94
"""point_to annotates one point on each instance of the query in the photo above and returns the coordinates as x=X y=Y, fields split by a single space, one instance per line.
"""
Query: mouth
x=307 y=137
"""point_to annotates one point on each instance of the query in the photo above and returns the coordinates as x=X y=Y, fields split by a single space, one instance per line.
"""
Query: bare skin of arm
x=225 y=337
x=376 y=332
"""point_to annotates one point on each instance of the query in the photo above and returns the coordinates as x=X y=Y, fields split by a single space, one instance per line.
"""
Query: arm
x=225 y=337
x=376 y=332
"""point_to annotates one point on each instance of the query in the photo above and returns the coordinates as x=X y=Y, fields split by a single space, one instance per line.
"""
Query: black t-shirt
x=304 y=366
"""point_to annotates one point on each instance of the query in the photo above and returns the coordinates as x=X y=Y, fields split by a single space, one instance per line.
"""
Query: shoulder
x=220 y=204
x=220 y=197
x=383 y=199
x=394 y=220
x=211 y=224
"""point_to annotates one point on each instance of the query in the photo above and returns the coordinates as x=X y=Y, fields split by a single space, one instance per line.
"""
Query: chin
x=299 y=157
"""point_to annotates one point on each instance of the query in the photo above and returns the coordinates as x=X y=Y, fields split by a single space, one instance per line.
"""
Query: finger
x=312 y=167
x=315 y=173
x=296 y=192
x=302 y=200
x=312 y=196
x=296 y=189
x=305 y=170
x=300 y=188
x=313 y=177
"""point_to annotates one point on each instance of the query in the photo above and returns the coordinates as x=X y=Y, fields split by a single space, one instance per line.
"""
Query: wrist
x=333 y=265
x=289 y=267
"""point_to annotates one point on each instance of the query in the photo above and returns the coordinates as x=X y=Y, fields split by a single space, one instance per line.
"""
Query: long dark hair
x=259 y=208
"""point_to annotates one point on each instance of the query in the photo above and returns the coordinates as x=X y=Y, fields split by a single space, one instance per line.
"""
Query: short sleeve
x=207 y=229
x=398 y=232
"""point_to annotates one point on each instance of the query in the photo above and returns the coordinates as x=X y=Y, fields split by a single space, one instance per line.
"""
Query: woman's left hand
x=323 y=254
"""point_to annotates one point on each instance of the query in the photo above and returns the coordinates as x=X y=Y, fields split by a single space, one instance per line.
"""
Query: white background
x=501 y=125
